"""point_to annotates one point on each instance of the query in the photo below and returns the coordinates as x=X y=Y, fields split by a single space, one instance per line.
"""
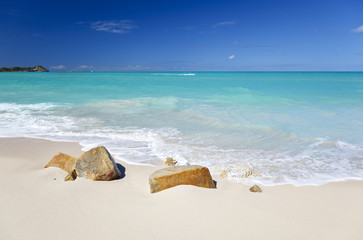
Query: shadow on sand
x=122 y=170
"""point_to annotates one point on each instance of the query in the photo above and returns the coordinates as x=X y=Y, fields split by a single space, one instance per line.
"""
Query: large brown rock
x=97 y=164
x=180 y=175
x=62 y=161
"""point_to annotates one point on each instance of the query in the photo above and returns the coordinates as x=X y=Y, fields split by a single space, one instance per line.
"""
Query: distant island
x=24 y=69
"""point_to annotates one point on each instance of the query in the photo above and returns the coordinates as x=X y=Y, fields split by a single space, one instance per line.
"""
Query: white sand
x=35 y=203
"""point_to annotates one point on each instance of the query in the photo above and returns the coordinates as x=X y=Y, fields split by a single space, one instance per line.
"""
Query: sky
x=188 y=35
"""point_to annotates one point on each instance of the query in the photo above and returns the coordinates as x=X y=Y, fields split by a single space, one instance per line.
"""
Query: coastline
x=37 y=204
x=229 y=122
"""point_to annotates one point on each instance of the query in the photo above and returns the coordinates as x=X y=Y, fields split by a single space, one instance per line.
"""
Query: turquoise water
x=267 y=127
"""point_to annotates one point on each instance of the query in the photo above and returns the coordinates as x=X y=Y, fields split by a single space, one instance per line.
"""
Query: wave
x=304 y=161
x=173 y=74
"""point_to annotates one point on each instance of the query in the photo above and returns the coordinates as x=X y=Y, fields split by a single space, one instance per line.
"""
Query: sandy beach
x=36 y=203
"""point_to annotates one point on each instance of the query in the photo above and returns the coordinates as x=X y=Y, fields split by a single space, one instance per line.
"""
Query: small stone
x=180 y=175
x=170 y=162
x=255 y=188
x=71 y=177
x=224 y=174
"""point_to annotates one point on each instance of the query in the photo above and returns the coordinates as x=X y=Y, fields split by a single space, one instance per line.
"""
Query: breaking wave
x=304 y=161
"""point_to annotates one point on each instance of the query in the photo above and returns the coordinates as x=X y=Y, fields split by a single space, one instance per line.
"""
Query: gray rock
x=97 y=164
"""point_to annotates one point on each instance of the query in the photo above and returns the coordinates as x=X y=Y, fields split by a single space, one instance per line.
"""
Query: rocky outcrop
x=24 y=69
x=40 y=69
x=96 y=164
x=170 y=162
x=180 y=175
x=62 y=161
x=255 y=188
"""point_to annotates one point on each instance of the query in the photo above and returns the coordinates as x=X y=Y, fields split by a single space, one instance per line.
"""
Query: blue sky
x=215 y=35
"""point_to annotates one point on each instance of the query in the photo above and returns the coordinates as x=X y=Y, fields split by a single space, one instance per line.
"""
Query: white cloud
x=85 y=67
x=136 y=68
x=358 y=29
x=222 y=24
x=231 y=57
x=58 y=67
x=113 y=26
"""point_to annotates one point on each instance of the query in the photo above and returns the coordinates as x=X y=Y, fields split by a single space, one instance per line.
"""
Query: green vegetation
x=24 y=69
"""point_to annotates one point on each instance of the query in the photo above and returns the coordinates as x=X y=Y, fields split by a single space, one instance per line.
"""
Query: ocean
x=301 y=128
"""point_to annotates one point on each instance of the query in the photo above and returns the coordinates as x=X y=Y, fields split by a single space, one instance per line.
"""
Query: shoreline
x=81 y=147
x=250 y=122
x=36 y=203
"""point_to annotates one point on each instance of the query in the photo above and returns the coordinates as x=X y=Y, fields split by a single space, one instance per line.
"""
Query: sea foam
x=320 y=161
x=247 y=127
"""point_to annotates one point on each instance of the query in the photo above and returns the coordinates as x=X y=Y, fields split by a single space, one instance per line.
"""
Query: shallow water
x=269 y=127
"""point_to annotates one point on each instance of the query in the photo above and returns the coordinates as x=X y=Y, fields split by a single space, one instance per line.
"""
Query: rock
x=24 y=69
x=97 y=164
x=62 y=161
x=72 y=176
x=170 y=162
x=224 y=174
x=180 y=175
x=40 y=69
x=250 y=172
x=255 y=188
